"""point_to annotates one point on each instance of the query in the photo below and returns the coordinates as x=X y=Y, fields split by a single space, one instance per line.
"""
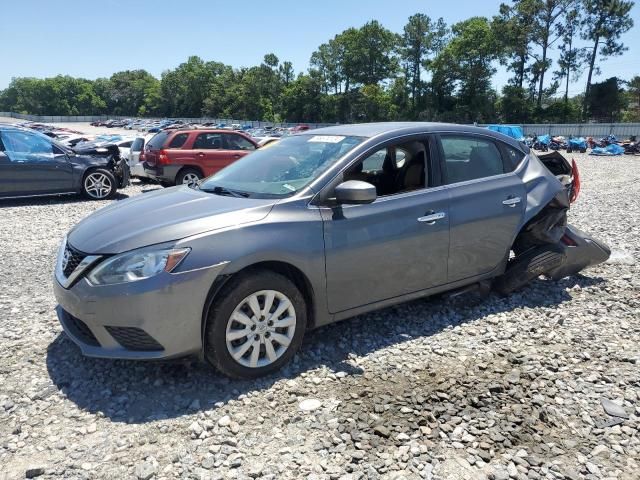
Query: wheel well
x=287 y=270
x=189 y=167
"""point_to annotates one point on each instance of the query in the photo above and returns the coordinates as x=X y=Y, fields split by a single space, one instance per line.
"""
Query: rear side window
x=514 y=155
x=178 y=140
x=469 y=158
x=126 y=145
x=208 y=141
x=157 y=141
x=237 y=142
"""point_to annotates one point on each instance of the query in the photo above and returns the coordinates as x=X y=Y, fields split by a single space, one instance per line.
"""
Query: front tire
x=256 y=325
x=99 y=184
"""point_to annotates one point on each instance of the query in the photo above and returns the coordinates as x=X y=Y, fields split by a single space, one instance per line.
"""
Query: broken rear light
x=575 y=188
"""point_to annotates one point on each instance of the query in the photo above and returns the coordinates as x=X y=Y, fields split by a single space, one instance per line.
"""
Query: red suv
x=185 y=156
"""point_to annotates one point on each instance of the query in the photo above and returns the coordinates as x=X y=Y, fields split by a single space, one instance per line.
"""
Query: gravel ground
x=503 y=388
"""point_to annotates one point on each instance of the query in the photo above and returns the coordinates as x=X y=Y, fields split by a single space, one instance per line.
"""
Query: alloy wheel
x=97 y=185
x=261 y=328
x=190 y=179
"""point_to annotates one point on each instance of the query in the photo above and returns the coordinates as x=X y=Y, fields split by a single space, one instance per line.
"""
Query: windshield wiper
x=225 y=191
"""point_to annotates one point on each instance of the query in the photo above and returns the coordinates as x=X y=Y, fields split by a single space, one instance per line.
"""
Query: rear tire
x=241 y=344
x=99 y=184
x=528 y=266
x=188 y=176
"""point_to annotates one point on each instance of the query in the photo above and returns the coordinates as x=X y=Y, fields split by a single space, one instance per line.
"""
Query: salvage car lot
x=507 y=386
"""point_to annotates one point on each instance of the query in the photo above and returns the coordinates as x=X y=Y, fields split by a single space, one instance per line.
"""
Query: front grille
x=73 y=258
x=133 y=338
x=79 y=329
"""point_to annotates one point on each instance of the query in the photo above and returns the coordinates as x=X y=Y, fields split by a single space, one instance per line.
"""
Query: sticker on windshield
x=326 y=138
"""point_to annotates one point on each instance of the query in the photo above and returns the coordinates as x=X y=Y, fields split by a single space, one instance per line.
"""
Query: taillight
x=163 y=157
x=142 y=157
x=575 y=189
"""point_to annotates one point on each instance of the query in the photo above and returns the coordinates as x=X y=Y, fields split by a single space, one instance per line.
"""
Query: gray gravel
x=506 y=388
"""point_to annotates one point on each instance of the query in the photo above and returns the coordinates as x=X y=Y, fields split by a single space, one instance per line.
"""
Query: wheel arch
x=189 y=167
x=286 y=269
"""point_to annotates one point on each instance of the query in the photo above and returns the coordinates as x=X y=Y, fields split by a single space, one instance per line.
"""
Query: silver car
x=319 y=227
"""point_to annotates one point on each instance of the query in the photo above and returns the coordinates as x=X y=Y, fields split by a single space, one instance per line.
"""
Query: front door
x=35 y=166
x=394 y=246
x=487 y=203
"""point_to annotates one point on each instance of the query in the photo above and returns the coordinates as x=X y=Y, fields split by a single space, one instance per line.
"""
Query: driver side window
x=394 y=169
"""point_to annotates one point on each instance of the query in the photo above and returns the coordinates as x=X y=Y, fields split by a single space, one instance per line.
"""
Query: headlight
x=134 y=266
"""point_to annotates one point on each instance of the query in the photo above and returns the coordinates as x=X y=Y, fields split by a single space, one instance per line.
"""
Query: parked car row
x=154 y=126
x=173 y=155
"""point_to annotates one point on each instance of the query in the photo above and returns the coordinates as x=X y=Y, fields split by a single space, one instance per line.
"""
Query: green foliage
x=429 y=72
x=605 y=22
x=61 y=95
x=606 y=100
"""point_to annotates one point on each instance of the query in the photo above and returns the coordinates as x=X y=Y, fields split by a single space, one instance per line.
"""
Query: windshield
x=284 y=168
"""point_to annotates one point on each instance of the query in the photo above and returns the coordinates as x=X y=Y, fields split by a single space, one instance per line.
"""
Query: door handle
x=431 y=217
x=200 y=154
x=512 y=201
x=236 y=155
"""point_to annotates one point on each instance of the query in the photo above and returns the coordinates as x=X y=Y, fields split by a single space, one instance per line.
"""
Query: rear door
x=209 y=152
x=33 y=165
x=487 y=203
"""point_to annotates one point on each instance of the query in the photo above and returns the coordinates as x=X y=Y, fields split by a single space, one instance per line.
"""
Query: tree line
x=429 y=71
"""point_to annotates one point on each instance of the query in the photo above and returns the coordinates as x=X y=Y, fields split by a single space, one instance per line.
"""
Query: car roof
x=406 y=128
x=201 y=130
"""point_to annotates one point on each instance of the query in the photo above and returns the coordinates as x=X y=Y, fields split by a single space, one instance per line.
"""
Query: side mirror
x=355 y=192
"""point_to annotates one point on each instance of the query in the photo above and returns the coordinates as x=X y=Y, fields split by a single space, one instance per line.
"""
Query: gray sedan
x=317 y=228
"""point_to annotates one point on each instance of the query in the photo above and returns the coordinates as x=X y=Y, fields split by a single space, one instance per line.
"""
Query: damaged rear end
x=546 y=244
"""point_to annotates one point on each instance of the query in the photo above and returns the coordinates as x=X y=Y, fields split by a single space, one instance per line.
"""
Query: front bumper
x=159 y=317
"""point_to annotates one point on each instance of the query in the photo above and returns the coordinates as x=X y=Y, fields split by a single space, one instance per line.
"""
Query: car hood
x=162 y=216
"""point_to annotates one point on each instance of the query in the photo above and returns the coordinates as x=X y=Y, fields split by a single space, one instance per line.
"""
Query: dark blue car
x=32 y=164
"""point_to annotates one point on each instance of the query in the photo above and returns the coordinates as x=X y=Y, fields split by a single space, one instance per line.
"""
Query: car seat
x=412 y=177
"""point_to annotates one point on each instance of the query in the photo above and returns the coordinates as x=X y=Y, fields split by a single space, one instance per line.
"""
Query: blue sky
x=96 y=38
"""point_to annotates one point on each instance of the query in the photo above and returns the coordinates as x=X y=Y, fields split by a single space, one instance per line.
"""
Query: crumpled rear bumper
x=581 y=251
